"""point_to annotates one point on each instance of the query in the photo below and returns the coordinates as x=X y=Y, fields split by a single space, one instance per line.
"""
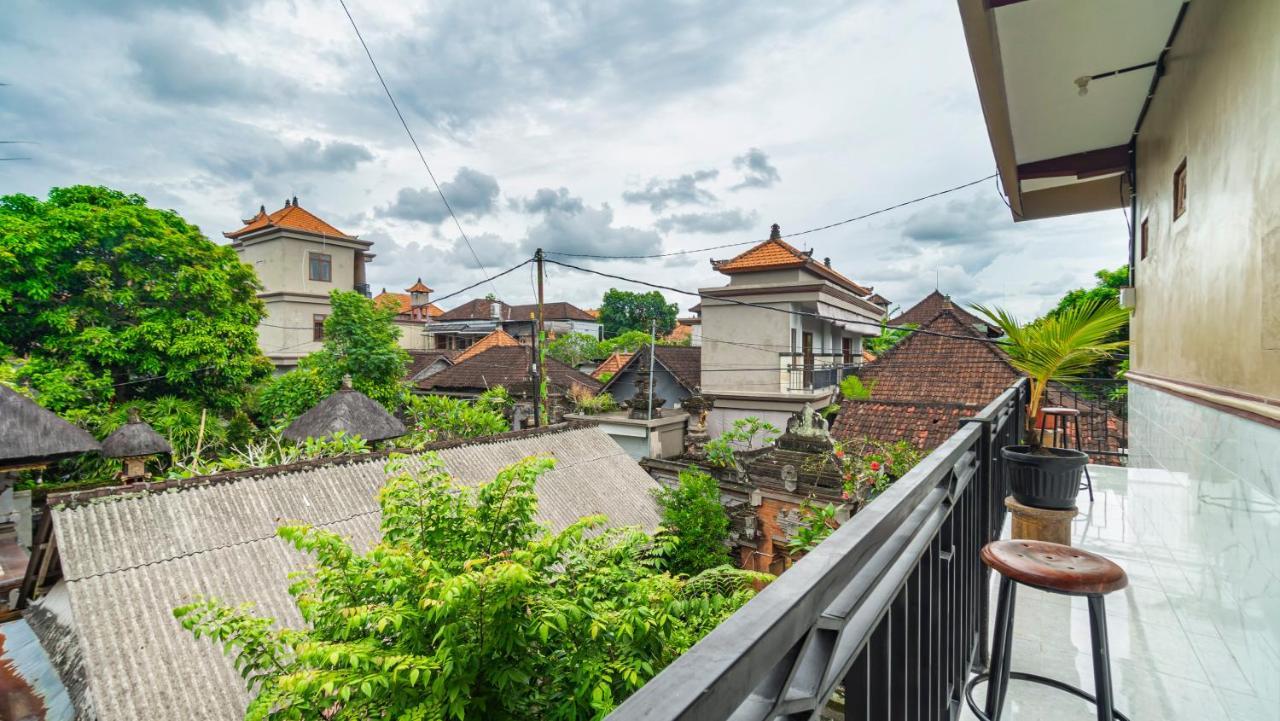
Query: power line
x=828 y=226
x=801 y=313
x=395 y=106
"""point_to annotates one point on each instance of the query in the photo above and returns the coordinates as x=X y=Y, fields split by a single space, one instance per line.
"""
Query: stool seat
x=1054 y=567
x=1056 y=411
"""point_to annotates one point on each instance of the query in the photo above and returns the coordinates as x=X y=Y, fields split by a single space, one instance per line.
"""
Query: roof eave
x=984 y=55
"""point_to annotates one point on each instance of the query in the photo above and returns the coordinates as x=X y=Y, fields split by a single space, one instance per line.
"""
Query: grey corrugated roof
x=130 y=559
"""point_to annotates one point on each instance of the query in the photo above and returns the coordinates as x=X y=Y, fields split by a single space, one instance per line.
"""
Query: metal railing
x=1104 y=414
x=891 y=607
x=817 y=376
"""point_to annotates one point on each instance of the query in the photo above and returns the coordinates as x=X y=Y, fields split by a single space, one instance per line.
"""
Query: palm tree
x=1060 y=347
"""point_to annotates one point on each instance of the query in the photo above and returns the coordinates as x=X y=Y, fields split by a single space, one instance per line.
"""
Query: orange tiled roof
x=680 y=333
x=612 y=364
x=418 y=287
x=291 y=216
x=403 y=303
x=497 y=339
x=775 y=253
x=593 y=312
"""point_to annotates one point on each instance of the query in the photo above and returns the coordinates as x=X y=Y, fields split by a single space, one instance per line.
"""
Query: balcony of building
x=891 y=615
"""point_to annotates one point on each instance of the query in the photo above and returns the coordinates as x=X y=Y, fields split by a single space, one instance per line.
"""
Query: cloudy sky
x=579 y=126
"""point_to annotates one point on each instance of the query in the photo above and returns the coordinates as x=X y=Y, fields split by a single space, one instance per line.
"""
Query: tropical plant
x=816 y=524
x=852 y=388
x=442 y=418
x=869 y=467
x=628 y=342
x=745 y=432
x=110 y=300
x=696 y=523
x=289 y=395
x=622 y=310
x=1061 y=347
x=468 y=608
x=182 y=422
x=574 y=349
x=361 y=340
x=1107 y=288
x=586 y=402
x=888 y=338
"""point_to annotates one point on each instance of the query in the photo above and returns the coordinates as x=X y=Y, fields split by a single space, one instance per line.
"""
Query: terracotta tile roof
x=868 y=356
x=477 y=309
x=879 y=300
x=403 y=303
x=553 y=311
x=924 y=424
x=505 y=366
x=684 y=363
x=418 y=287
x=612 y=364
x=293 y=217
x=775 y=253
x=593 y=312
x=930 y=306
x=932 y=368
x=420 y=359
x=482 y=309
x=680 y=333
x=497 y=339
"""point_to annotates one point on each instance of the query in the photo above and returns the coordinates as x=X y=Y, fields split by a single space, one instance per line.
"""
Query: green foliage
x=720 y=451
x=621 y=311
x=1061 y=347
x=177 y=419
x=606 y=377
x=584 y=401
x=628 y=342
x=888 y=338
x=1106 y=289
x=289 y=395
x=574 y=349
x=99 y=290
x=696 y=522
x=869 y=467
x=852 y=388
x=361 y=340
x=442 y=418
x=816 y=523
x=468 y=608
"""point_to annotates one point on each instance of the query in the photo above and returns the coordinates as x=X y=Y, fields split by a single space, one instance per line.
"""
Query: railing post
x=987 y=498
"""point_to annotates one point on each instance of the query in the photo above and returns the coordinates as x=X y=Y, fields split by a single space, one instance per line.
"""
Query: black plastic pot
x=1044 y=481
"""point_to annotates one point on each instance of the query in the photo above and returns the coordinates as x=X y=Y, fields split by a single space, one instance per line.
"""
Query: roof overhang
x=1064 y=85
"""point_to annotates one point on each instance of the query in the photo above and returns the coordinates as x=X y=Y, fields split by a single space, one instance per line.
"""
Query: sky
x=607 y=128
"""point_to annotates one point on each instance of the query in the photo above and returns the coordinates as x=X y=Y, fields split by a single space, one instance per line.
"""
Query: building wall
x=624 y=387
x=411 y=335
x=287 y=330
x=1208 y=300
x=770 y=331
x=281 y=264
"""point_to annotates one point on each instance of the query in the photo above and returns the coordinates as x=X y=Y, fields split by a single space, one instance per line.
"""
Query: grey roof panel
x=130 y=559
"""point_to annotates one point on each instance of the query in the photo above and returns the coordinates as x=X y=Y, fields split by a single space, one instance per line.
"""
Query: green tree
x=99 y=291
x=888 y=338
x=441 y=418
x=629 y=342
x=468 y=608
x=360 y=340
x=621 y=311
x=1106 y=289
x=697 y=525
x=573 y=349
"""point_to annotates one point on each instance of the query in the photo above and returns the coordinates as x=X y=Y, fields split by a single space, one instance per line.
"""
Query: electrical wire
x=395 y=106
x=828 y=226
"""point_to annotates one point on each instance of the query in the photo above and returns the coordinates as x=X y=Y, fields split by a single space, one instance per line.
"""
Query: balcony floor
x=1196 y=635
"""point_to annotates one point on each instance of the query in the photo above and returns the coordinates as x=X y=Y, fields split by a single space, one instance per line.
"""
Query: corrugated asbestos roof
x=130 y=559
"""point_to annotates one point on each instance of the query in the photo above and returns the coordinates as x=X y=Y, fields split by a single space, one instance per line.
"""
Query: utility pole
x=537 y=347
x=653 y=341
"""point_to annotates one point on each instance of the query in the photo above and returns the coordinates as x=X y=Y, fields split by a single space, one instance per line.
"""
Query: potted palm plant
x=1060 y=347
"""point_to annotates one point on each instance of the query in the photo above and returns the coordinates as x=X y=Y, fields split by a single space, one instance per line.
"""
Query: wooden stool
x=1057 y=569
x=1060 y=419
x=1040 y=524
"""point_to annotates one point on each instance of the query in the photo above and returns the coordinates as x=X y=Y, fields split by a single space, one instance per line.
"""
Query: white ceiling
x=1046 y=44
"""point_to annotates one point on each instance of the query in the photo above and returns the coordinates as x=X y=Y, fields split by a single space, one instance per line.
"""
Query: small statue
x=640 y=403
x=808 y=422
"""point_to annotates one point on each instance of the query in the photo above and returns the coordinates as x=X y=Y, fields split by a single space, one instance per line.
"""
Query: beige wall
x=1208 y=292
x=282 y=265
x=294 y=339
x=725 y=321
x=411 y=335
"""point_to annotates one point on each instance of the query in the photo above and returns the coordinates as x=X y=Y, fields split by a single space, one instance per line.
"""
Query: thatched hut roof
x=134 y=439
x=30 y=434
x=349 y=411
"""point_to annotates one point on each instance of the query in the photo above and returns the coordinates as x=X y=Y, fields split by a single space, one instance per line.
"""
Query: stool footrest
x=1033 y=678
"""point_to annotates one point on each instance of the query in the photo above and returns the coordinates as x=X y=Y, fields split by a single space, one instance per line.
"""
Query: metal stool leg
x=1079 y=447
x=1001 y=649
x=1101 y=658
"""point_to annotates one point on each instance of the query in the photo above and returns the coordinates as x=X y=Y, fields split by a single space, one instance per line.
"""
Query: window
x=1145 y=237
x=846 y=349
x=317 y=326
x=321 y=266
x=1180 y=190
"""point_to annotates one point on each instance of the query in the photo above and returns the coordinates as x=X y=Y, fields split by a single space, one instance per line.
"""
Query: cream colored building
x=299 y=259
x=784 y=332
x=1168 y=110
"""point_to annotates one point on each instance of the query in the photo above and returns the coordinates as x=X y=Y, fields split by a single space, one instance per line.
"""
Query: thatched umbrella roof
x=30 y=434
x=135 y=439
x=349 y=411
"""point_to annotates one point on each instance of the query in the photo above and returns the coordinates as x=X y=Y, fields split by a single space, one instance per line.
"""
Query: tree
x=629 y=342
x=888 y=338
x=468 y=608
x=360 y=340
x=100 y=291
x=574 y=349
x=621 y=311
x=696 y=522
x=1106 y=289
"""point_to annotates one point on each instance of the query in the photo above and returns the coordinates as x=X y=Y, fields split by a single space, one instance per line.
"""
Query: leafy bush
x=697 y=525
x=574 y=349
x=869 y=467
x=442 y=418
x=177 y=419
x=888 y=338
x=720 y=451
x=469 y=608
x=852 y=388
x=588 y=403
x=289 y=395
x=817 y=522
